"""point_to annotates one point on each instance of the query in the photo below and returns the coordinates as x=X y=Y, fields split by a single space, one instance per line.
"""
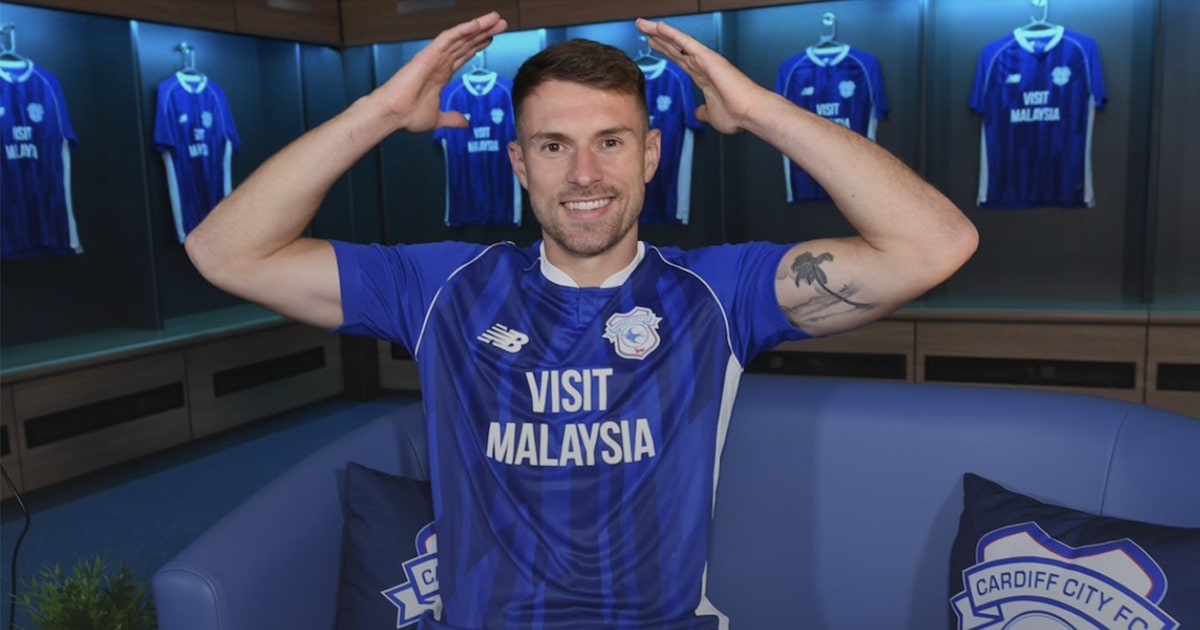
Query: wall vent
x=241 y=378
x=1044 y=372
x=1178 y=377
x=840 y=364
x=69 y=423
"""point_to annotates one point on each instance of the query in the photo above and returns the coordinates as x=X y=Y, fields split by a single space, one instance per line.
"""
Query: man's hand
x=413 y=94
x=728 y=93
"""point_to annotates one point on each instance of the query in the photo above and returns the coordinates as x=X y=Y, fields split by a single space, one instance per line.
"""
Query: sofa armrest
x=242 y=573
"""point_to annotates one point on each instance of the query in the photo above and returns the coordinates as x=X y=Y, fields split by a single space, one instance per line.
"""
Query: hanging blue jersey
x=481 y=188
x=671 y=101
x=574 y=433
x=842 y=84
x=1038 y=93
x=35 y=171
x=194 y=131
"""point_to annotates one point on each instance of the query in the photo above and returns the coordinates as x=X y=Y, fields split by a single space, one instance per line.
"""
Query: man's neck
x=592 y=271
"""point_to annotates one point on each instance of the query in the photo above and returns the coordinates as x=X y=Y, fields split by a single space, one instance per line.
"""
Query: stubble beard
x=590 y=239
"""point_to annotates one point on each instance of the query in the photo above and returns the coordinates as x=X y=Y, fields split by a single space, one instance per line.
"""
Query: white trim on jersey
x=173 y=190
x=560 y=277
x=446 y=196
x=516 y=199
x=724 y=311
x=683 y=201
x=66 y=176
x=228 y=170
x=787 y=177
x=1024 y=38
x=839 y=55
x=981 y=198
x=733 y=378
x=1089 y=190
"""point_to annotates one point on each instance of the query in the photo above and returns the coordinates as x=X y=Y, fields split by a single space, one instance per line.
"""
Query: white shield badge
x=633 y=334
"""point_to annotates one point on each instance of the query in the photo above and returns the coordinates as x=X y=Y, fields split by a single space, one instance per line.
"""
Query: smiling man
x=578 y=390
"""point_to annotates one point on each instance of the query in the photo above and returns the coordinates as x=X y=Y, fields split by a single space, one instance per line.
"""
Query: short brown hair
x=580 y=61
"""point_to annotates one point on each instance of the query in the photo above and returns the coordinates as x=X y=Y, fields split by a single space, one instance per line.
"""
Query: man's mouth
x=587 y=205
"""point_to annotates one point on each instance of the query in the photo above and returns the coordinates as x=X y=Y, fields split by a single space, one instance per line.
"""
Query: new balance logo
x=504 y=338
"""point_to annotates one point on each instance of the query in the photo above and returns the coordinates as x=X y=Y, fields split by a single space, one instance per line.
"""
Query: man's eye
x=611 y=143
x=552 y=147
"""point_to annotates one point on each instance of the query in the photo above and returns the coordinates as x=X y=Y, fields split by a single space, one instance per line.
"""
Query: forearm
x=887 y=203
x=271 y=209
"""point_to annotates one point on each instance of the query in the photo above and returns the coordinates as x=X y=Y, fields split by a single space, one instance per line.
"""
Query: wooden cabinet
x=372 y=21
x=315 y=21
x=1099 y=359
x=241 y=379
x=1173 y=370
x=211 y=14
x=544 y=13
x=9 y=451
x=76 y=422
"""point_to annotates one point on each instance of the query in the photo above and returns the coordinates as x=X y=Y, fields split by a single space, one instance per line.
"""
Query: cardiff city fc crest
x=633 y=334
x=1024 y=579
x=419 y=593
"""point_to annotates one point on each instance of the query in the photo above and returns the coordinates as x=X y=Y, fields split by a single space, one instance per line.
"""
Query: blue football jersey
x=842 y=84
x=574 y=433
x=671 y=101
x=35 y=171
x=194 y=131
x=1038 y=93
x=481 y=188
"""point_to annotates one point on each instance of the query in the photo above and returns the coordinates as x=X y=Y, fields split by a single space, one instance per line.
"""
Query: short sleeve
x=231 y=133
x=979 y=89
x=687 y=90
x=386 y=290
x=878 y=96
x=743 y=277
x=1096 y=75
x=447 y=104
x=64 y=118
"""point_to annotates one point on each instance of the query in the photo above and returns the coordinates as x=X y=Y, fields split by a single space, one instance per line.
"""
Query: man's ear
x=653 y=152
x=516 y=155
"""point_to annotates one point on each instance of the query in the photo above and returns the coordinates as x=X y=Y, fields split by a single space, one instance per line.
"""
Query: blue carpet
x=142 y=513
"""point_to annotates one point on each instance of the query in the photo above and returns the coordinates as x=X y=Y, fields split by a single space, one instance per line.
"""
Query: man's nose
x=585 y=169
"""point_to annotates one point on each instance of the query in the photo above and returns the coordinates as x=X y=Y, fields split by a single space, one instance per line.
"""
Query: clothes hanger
x=827 y=43
x=1038 y=24
x=479 y=66
x=189 y=60
x=9 y=57
x=646 y=56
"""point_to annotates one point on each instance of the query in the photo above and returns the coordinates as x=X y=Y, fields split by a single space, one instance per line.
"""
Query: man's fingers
x=670 y=40
x=452 y=120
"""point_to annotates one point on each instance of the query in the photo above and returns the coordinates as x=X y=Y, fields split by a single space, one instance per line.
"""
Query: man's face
x=585 y=156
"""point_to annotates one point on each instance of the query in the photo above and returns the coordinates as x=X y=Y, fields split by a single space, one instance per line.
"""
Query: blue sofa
x=837 y=505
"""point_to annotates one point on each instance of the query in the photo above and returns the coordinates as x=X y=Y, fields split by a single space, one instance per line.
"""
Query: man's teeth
x=585 y=205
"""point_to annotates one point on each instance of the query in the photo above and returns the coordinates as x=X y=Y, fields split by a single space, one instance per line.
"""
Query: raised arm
x=250 y=245
x=910 y=236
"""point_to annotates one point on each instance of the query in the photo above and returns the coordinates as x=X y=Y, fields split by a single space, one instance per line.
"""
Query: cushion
x=389 y=551
x=1021 y=564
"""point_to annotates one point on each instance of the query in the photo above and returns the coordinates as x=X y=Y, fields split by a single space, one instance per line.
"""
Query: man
x=577 y=391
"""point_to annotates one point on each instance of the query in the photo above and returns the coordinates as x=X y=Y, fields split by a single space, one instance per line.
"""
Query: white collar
x=654 y=70
x=1025 y=38
x=193 y=84
x=25 y=66
x=819 y=58
x=478 y=84
x=560 y=277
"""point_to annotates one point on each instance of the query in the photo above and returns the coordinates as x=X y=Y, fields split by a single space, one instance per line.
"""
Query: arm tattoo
x=806 y=269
